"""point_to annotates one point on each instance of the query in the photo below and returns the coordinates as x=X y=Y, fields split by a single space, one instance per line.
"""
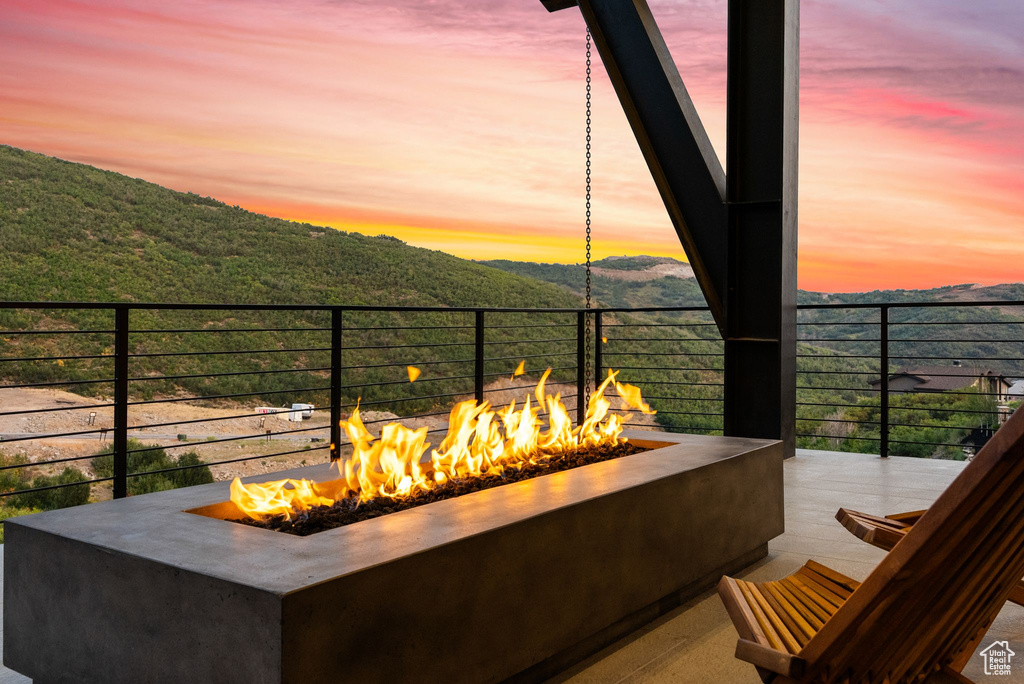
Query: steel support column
x=761 y=185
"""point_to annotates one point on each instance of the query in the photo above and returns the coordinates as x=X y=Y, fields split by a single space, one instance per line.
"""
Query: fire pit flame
x=480 y=441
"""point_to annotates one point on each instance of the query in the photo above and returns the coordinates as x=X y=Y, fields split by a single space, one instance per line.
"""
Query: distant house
x=1017 y=390
x=947 y=379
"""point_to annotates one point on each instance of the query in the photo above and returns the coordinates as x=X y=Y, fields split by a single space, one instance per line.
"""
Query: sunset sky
x=459 y=125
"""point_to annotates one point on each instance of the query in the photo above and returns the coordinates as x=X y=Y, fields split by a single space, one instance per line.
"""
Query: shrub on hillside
x=154 y=459
x=12 y=479
x=58 y=497
x=16 y=479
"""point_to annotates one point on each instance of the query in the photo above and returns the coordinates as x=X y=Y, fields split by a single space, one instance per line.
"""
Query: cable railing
x=675 y=356
x=102 y=400
x=119 y=399
x=929 y=379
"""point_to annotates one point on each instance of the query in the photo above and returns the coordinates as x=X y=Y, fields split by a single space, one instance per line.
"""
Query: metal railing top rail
x=156 y=306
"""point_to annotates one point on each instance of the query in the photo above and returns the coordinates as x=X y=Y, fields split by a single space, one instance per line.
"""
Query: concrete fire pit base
x=511 y=582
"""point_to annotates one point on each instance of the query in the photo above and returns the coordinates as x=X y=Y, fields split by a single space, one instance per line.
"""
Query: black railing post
x=478 y=358
x=121 y=401
x=884 y=386
x=598 y=342
x=336 y=383
x=581 y=363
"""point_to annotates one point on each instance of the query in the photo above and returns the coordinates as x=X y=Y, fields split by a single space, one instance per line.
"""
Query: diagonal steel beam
x=740 y=232
x=682 y=161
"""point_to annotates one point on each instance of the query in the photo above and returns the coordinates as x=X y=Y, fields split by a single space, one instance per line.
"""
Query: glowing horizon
x=460 y=128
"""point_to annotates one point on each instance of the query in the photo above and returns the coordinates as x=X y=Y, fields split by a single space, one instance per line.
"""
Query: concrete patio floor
x=694 y=644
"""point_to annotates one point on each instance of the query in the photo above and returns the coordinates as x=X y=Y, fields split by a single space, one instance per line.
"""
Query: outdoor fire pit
x=519 y=580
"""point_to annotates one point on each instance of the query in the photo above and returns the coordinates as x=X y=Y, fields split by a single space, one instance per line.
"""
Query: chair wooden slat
x=836 y=593
x=833 y=576
x=821 y=613
x=784 y=625
x=767 y=628
x=798 y=623
x=824 y=608
x=809 y=585
x=739 y=611
x=806 y=611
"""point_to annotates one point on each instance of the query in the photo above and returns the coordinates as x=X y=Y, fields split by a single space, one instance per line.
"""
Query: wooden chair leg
x=1017 y=595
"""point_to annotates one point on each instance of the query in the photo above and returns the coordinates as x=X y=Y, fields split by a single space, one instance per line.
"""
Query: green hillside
x=71 y=232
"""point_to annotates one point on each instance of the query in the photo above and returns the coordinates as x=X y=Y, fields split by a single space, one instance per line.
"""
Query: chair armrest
x=766 y=658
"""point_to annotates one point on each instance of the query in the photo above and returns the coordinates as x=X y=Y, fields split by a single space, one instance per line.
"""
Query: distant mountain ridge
x=966 y=292
x=664 y=281
x=619 y=281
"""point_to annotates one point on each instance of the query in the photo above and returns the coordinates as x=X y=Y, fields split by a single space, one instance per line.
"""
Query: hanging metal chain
x=588 y=373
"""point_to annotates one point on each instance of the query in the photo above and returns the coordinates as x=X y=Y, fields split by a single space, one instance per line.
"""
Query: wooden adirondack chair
x=920 y=615
x=885 y=532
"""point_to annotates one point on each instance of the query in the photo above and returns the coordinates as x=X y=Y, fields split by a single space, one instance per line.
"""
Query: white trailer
x=300 y=412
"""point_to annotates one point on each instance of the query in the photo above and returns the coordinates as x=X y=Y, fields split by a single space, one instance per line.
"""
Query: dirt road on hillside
x=216 y=434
